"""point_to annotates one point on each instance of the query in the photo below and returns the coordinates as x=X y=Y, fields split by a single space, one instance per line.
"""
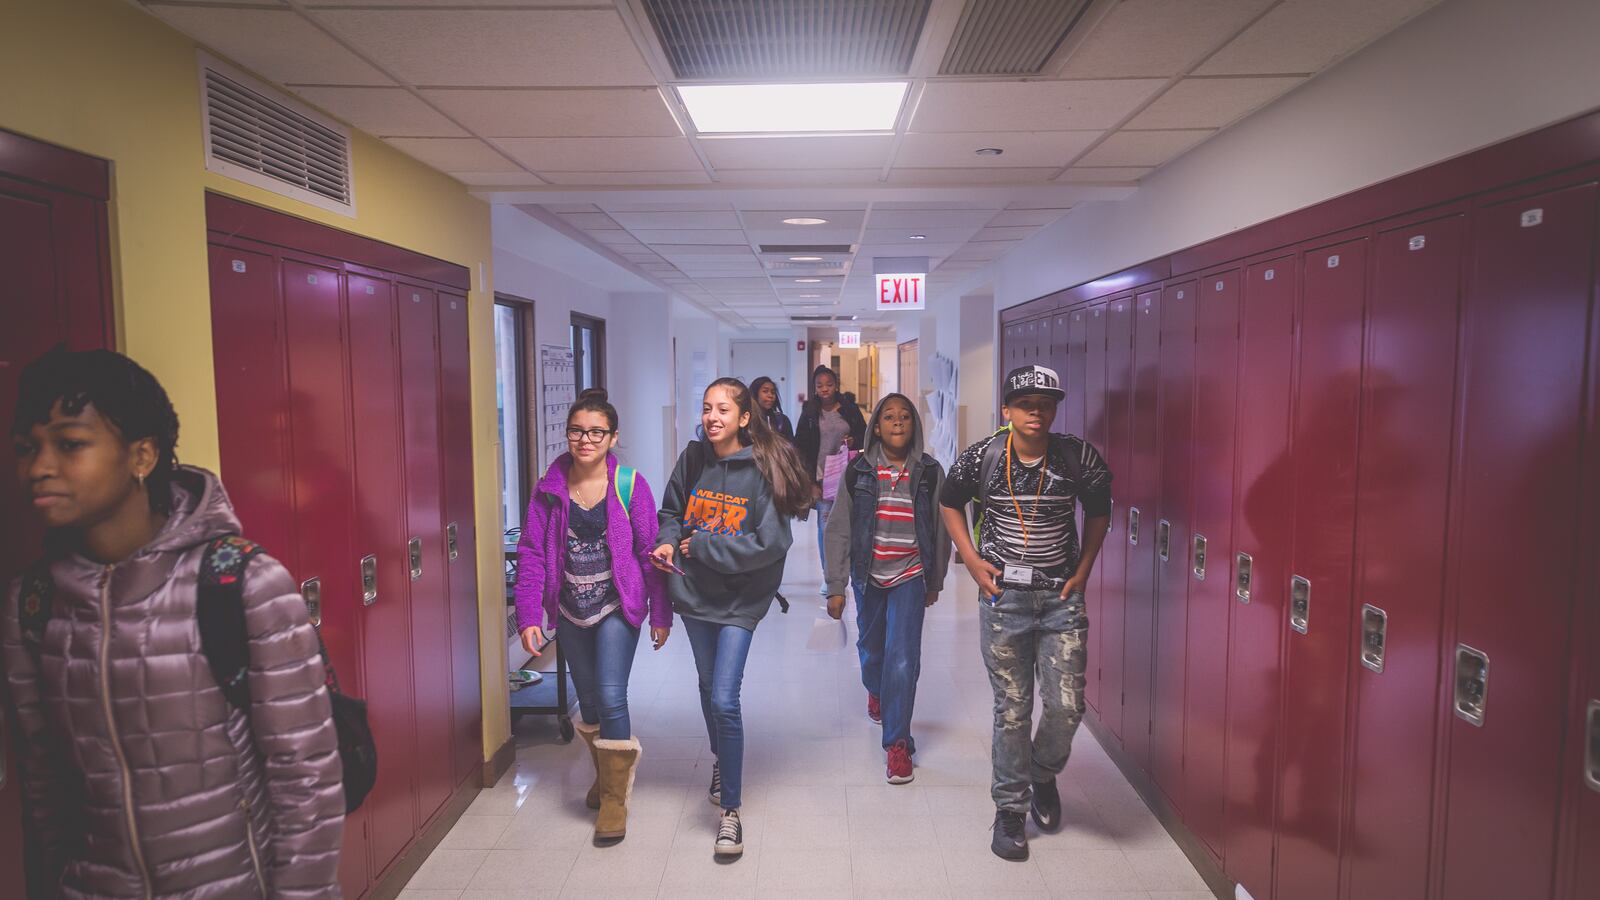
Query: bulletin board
x=557 y=378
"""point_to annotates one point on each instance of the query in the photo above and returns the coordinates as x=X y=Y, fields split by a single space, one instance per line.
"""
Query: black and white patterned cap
x=1033 y=380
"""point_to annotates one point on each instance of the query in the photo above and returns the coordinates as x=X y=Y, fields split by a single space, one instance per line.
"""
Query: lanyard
x=1033 y=513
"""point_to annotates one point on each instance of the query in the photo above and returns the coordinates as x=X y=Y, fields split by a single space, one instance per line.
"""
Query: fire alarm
x=800 y=345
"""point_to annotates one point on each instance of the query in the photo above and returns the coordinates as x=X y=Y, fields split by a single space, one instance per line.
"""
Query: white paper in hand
x=827 y=634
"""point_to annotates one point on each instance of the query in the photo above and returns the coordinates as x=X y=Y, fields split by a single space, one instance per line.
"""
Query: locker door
x=1043 y=344
x=1095 y=430
x=1171 y=540
x=430 y=602
x=1402 y=500
x=1262 y=516
x=1061 y=360
x=315 y=340
x=1527 y=311
x=380 y=533
x=1326 y=424
x=1119 y=455
x=1075 y=371
x=456 y=375
x=1216 y=369
x=1582 y=770
x=1145 y=494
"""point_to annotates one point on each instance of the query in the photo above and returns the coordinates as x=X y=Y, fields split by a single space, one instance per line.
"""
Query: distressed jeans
x=1021 y=633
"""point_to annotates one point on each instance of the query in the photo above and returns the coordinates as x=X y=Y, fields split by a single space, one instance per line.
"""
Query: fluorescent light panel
x=789 y=108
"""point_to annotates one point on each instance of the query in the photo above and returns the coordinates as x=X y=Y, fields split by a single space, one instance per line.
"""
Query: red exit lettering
x=907 y=290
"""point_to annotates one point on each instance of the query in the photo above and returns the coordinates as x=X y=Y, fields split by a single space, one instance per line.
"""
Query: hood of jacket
x=873 y=452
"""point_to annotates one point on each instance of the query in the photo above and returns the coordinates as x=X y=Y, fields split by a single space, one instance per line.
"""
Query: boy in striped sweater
x=886 y=536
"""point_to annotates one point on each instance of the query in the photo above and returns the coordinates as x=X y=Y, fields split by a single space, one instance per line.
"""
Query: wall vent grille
x=787 y=39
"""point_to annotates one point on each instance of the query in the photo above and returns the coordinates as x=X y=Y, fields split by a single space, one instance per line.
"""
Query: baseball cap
x=1033 y=380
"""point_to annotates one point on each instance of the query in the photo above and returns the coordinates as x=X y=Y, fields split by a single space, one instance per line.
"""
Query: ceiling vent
x=1009 y=37
x=788 y=39
x=802 y=249
x=259 y=137
x=815 y=319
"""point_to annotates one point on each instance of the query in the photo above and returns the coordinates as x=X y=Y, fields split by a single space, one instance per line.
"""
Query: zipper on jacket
x=111 y=729
x=255 y=855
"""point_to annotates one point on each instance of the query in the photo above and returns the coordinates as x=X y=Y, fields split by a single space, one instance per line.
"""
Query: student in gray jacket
x=724 y=536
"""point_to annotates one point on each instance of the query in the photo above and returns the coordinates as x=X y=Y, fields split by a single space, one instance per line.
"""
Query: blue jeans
x=1021 y=632
x=720 y=652
x=889 y=628
x=824 y=507
x=601 y=657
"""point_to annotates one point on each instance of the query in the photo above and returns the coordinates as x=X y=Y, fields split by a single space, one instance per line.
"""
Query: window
x=588 y=353
x=512 y=323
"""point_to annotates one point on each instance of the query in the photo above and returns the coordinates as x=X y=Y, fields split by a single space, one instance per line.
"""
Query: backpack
x=694 y=465
x=993 y=456
x=226 y=645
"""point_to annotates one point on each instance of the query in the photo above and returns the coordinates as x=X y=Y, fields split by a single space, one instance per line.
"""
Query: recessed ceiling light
x=808 y=281
x=809 y=296
x=805 y=220
x=805 y=259
x=790 y=108
x=919 y=237
x=990 y=151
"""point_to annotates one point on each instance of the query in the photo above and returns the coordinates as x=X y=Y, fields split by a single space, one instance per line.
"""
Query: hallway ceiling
x=568 y=109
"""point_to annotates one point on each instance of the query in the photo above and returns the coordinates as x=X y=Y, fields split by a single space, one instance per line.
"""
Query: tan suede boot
x=589 y=733
x=619 y=760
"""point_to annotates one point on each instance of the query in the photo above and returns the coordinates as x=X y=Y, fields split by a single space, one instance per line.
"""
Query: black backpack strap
x=35 y=604
x=224 y=638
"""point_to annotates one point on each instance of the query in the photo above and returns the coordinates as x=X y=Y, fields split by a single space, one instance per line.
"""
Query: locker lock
x=1591 y=756
x=369 y=580
x=1300 y=604
x=450 y=541
x=311 y=591
x=1374 y=631
x=1472 y=684
x=1133 y=525
x=1164 y=539
x=415 y=549
x=1200 y=557
x=1241 y=578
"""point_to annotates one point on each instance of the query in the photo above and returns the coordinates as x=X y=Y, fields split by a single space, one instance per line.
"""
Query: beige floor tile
x=912 y=870
x=475 y=833
x=789 y=869
x=978 y=872
x=1164 y=870
x=448 y=869
x=618 y=868
x=519 y=870
x=1083 y=870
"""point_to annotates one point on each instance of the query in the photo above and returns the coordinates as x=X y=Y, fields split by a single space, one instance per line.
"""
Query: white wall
x=638 y=377
x=1464 y=75
x=977 y=377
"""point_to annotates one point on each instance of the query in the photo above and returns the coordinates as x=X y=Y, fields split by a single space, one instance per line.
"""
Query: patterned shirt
x=896 y=559
x=1045 y=535
x=587 y=592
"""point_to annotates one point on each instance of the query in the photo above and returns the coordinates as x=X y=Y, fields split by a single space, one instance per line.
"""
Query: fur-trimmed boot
x=619 y=760
x=589 y=733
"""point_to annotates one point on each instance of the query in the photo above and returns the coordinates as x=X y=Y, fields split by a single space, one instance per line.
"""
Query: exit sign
x=903 y=291
x=849 y=340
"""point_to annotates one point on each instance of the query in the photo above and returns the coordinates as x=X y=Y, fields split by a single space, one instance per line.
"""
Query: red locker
x=1527 y=309
x=1061 y=359
x=1118 y=450
x=430 y=601
x=1095 y=431
x=1143 y=494
x=1168 y=527
x=1262 y=516
x=1317 y=652
x=460 y=532
x=1582 y=769
x=1407 y=415
x=380 y=535
x=1208 y=555
x=1071 y=336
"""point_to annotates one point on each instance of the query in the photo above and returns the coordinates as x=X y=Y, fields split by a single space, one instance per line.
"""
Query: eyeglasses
x=594 y=435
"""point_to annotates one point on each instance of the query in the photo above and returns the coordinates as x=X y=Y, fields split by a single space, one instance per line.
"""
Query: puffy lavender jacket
x=139 y=779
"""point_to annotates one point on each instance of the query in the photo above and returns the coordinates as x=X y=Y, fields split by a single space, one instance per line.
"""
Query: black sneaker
x=1010 y=836
x=1046 y=805
x=715 y=793
x=730 y=835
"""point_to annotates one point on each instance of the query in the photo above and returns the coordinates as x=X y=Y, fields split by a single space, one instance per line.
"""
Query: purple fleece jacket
x=631 y=535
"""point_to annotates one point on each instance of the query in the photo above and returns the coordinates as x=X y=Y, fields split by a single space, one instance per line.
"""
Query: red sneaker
x=899 y=763
x=874 y=712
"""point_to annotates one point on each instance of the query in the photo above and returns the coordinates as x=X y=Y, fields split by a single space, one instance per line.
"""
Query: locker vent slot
x=1009 y=37
x=787 y=39
x=273 y=142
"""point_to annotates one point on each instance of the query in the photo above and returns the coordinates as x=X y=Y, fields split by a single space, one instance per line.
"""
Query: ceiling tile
x=455 y=154
x=642 y=154
x=452 y=3
x=687 y=236
x=1022 y=149
x=982 y=251
x=803 y=234
x=913 y=219
x=1104 y=174
x=1158 y=37
x=822 y=152
x=517 y=48
x=1211 y=102
x=562 y=207
x=620 y=205
x=1030 y=105
x=385 y=112
x=614 y=238
x=609 y=112
x=792 y=177
x=1307 y=35
x=935 y=204
x=969 y=176
x=739 y=251
x=698 y=176
x=1143 y=148
x=1034 y=217
x=700 y=220
x=959 y=234
x=276 y=44
x=495 y=179
x=590 y=220
x=1013 y=233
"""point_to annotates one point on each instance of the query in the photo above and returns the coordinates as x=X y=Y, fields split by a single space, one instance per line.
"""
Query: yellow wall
x=104 y=78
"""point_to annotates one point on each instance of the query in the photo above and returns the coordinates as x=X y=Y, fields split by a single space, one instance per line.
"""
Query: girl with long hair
x=765 y=390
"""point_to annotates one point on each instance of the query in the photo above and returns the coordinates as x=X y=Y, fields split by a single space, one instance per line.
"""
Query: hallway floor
x=820 y=821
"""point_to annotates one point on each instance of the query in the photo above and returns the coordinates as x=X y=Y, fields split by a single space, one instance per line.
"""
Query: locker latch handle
x=1299 y=604
x=311 y=592
x=1200 y=557
x=369 y=580
x=1111 y=519
x=1133 y=525
x=1591 y=767
x=1472 y=684
x=450 y=541
x=1163 y=539
x=1241 y=577
x=1374 y=631
x=415 y=549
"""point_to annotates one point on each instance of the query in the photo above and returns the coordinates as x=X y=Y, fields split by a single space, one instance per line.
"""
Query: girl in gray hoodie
x=724 y=536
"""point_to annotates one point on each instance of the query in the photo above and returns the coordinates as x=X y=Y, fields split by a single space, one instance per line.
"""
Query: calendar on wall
x=558 y=386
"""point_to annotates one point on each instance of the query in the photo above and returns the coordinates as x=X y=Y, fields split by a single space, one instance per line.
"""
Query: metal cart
x=549 y=696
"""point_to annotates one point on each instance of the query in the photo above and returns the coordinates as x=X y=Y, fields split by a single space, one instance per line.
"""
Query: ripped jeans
x=1022 y=632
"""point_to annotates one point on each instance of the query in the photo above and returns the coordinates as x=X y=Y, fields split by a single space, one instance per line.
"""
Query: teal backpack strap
x=626 y=476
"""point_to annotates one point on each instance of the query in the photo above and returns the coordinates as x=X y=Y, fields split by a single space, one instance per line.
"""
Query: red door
x=1262 y=515
x=1114 y=559
x=1143 y=493
x=430 y=601
x=1407 y=414
x=460 y=532
x=1095 y=431
x=1326 y=425
x=1208 y=555
x=1168 y=527
x=380 y=534
x=1527 y=309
